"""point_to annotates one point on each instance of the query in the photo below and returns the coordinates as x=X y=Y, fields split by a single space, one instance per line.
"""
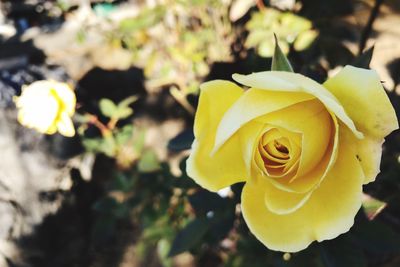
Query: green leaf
x=139 y=140
x=342 y=252
x=123 y=112
x=279 y=60
x=92 y=144
x=127 y=101
x=107 y=107
x=372 y=206
x=146 y=19
x=189 y=236
x=363 y=60
x=82 y=119
x=105 y=205
x=148 y=162
x=124 y=134
x=163 y=247
x=204 y=201
x=123 y=183
x=108 y=146
x=100 y=145
x=182 y=141
x=376 y=237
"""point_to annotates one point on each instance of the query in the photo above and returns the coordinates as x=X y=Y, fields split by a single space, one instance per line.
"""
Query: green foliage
x=189 y=236
x=147 y=18
x=100 y=145
x=186 y=36
x=376 y=237
x=372 y=206
x=279 y=60
x=126 y=143
x=148 y=162
x=363 y=60
x=107 y=107
x=335 y=253
x=117 y=112
x=289 y=28
x=182 y=141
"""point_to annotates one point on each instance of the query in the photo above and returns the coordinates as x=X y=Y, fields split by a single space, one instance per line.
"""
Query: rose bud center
x=279 y=151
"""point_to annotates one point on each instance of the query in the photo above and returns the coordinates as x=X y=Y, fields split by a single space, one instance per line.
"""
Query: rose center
x=279 y=152
x=281 y=148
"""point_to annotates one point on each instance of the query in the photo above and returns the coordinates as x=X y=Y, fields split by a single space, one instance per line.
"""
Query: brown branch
x=96 y=122
x=260 y=5
x=368 y=28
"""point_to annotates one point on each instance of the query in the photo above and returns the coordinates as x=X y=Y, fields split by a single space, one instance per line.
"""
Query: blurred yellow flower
x=304 y=149
x=47 y=106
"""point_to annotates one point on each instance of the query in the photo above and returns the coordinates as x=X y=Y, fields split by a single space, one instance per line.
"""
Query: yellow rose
x=304 y=149
x=47 y=106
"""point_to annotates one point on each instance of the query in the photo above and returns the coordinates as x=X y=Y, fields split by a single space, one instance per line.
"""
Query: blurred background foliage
x=117 y=194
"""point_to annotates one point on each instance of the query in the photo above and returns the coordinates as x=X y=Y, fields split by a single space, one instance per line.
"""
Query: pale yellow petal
x=369 y=153
x=37 y=110
x=252 y=104
x=249 y=136
x=66 y=95
x=283 y=202
x=364 y=99
x=319 y=131
x=305 y=118
x=329 y=212
x=226 y=166
x=299 y=83
x=65 y=125
x=52 y=129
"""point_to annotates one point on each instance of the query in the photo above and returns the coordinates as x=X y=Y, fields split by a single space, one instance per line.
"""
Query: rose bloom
x=47 y=106
x=304 y=149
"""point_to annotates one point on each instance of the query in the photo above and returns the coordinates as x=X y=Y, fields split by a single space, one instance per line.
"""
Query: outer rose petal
x=65 y=125
x=329 y=211
x=225 y=167
x=282 y=202
x=300 y=83
x=364 y=99
x=369 y=153
x=356 y=88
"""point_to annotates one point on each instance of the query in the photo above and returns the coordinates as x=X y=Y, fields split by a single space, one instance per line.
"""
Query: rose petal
x=65 y=125
x=329 y=212
x=225 y=167
x=252 y=104
x=66 y=96
x=283 y=202
x=305 y=118
x=361 y=94
x=369 y=153
x=37 y=109
x=249 y=136
x=260 y=80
